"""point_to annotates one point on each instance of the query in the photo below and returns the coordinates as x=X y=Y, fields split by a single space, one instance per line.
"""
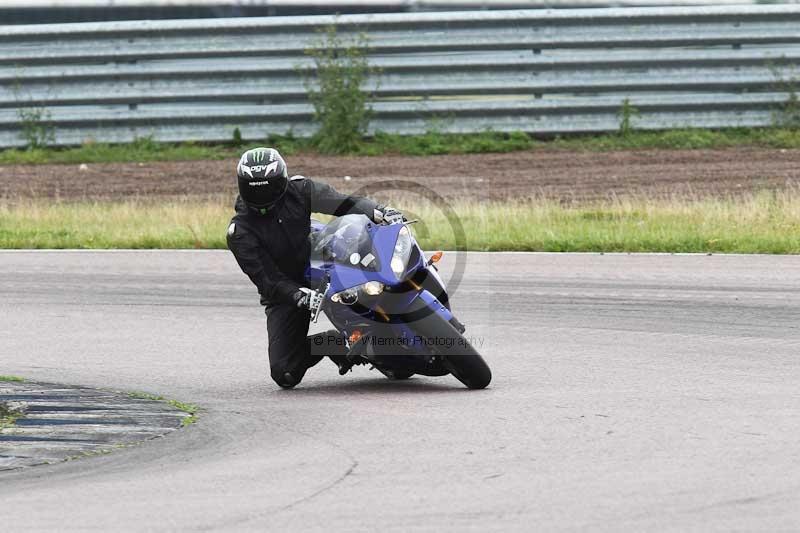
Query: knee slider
x=285 y=379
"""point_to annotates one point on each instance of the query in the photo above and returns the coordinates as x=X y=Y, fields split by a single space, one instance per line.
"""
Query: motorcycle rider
x=269 y=239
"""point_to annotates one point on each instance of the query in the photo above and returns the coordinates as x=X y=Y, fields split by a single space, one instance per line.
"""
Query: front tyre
x=396 y=375
x=458 y=355
x=471 y=370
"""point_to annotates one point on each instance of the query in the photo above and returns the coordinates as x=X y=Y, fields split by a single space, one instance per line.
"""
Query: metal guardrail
x=540 y=71
x=63 y=11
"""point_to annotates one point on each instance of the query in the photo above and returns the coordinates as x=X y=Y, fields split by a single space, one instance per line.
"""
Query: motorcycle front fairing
x=351 y=251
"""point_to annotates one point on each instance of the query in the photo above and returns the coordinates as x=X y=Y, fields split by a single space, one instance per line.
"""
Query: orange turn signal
x=355 y=336
x=436 y=257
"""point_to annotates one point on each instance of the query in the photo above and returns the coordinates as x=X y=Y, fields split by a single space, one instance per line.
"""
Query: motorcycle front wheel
x=396 y=375
x=458 y=355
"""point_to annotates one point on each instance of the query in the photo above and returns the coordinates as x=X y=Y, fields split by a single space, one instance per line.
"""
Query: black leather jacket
x=273 y=249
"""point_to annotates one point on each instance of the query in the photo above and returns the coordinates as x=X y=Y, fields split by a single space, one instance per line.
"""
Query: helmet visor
x=262 y=192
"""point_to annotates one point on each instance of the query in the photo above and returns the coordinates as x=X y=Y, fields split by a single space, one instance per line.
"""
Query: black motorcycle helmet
x=262 y=178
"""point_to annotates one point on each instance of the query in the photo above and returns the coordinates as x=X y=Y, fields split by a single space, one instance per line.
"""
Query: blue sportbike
x=388 y=302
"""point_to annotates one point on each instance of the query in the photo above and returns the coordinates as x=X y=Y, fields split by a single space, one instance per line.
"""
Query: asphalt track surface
x=630 y=393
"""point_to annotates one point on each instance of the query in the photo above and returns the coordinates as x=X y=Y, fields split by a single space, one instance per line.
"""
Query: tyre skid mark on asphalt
x=299 y=501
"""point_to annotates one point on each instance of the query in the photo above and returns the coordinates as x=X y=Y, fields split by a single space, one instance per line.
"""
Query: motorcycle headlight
x=346 y=297
x=350 y=296
x=373 y=288
x=402 y=252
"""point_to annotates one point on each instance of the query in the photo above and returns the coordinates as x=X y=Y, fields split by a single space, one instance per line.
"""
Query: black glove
x=388 y=215
x=302 y=297
x=307 y=298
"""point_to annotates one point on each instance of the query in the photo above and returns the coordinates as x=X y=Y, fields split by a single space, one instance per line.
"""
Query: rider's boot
x=331 y=344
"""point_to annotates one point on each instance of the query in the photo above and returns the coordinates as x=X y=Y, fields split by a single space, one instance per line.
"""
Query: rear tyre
x=458 y=355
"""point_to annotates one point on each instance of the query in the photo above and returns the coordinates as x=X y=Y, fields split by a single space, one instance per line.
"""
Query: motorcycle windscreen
x=346 y=240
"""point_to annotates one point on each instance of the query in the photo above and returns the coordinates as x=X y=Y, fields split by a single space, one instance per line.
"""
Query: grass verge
x=8 y=416
x=189 y=408
x=767 y=222
x=431 y=143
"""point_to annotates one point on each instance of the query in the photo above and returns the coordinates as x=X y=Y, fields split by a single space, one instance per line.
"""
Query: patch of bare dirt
x=561 y=175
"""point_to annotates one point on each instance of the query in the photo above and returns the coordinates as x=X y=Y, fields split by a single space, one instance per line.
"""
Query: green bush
x=626 y=114
x=787 y=113
x=35 y=124
x=237 y=137
x=341 y=106
x=35 y=128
